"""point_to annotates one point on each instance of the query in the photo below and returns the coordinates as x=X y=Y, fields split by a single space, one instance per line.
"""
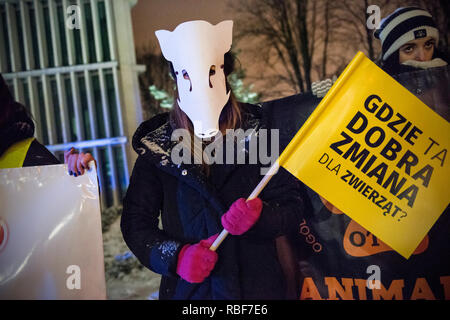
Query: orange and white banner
x=50 y=235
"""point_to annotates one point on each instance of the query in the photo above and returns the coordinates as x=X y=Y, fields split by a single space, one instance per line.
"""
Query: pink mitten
x=242 y=215
x=196 y=261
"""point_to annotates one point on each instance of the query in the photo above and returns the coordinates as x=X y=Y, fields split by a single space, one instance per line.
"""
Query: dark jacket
x=191 y=205
x=16 y=125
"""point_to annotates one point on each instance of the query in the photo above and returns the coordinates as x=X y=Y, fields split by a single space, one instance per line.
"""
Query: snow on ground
x=126 y=278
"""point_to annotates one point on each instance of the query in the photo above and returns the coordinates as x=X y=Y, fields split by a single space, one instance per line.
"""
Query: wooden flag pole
x=265 y=180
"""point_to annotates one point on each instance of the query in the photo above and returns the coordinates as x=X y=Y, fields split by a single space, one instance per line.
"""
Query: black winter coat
x=191 y=205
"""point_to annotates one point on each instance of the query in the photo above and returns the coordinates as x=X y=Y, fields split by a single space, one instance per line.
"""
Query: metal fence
x=69 y=80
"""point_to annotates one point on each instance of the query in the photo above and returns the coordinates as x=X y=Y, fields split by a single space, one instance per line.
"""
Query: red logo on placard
x=4 y=234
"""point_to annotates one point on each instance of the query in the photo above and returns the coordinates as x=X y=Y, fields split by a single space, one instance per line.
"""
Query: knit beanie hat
x=402 y=26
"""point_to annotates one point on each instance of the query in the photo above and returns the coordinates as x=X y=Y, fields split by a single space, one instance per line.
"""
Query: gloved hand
x=196 y=261
x=242 y=215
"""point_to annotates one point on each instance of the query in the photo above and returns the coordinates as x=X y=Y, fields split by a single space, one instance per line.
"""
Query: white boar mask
x=196 y=50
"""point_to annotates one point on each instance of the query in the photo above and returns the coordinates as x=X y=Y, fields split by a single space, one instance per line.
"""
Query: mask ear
x=164 y=42
x=225 y=30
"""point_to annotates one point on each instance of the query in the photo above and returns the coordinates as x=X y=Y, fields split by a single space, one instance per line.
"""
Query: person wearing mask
x=195 y=201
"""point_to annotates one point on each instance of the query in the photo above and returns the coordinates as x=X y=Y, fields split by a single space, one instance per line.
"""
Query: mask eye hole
x=212 y=71
x=186 y=76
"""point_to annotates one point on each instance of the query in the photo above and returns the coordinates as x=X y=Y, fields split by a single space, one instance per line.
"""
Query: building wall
x=80 y=84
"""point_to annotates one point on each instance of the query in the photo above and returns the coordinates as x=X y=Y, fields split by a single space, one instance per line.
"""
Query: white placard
x=51 y=243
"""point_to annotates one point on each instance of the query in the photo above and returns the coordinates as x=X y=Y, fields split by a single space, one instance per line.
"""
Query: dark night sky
x=151 y=15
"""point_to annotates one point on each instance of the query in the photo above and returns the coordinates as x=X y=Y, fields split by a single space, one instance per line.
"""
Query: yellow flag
x=377 y=153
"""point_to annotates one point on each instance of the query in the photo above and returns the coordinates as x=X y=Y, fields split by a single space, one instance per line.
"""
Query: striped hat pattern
x=402 y=26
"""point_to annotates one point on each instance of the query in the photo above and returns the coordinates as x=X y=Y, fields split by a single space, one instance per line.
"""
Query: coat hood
x=15 y=122
x=152 y=138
